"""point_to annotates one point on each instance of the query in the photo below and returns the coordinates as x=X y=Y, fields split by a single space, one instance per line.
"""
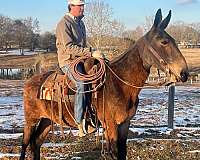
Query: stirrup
x=92 y=123
x=81 y=129
x=84 y=128
x=87 y=127
x=91 y=129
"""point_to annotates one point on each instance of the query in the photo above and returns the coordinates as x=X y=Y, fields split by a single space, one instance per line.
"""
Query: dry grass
x=192 y=57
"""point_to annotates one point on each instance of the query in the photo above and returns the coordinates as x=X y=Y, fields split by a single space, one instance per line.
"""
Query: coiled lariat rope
x=87 y=78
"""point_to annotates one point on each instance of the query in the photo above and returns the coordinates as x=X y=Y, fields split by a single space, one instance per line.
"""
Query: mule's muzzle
x=184 y=76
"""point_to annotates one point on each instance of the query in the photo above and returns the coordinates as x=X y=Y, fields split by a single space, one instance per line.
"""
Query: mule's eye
x=165 y=42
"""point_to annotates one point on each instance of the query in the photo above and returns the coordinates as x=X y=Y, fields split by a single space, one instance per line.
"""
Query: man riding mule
x=71 y=43
x=117 y=100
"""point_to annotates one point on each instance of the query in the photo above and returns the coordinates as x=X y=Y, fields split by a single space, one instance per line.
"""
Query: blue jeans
x=82 y=100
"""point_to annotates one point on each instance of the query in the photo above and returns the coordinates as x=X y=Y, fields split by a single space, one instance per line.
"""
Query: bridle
x=163 y=63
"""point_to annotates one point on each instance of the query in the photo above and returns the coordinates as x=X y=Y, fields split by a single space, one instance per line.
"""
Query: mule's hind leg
x=28 y=130
x=39 y=136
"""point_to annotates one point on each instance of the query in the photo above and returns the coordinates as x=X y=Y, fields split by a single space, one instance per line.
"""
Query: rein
x=129 y=84
x=123 y=81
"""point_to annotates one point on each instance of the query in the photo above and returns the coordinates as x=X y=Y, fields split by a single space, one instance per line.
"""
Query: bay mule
x=117 y=103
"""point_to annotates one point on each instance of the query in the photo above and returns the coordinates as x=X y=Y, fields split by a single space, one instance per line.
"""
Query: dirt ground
x=153 y=146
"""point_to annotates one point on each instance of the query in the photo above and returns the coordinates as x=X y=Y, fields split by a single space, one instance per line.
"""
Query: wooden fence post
x=171 y=106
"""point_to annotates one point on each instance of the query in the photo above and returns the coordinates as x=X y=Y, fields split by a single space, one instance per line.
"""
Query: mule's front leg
x=111 y=139
x=116 y=137
x=122 y=138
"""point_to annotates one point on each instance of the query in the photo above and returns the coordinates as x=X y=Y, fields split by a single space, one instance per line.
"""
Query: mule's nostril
x=184 y=76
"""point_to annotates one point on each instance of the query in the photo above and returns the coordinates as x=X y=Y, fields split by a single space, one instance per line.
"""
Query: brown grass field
x=192 y=57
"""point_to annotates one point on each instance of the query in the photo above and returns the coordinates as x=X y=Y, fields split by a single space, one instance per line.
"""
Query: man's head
x=76 y=7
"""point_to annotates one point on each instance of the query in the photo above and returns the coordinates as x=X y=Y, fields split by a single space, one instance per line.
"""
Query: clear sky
x=129 y=12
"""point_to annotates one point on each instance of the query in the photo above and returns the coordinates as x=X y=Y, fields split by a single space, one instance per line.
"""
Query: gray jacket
x=70 y=39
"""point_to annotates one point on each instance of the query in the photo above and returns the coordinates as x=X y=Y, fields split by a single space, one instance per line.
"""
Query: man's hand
x=88 y=55
x=98 y=54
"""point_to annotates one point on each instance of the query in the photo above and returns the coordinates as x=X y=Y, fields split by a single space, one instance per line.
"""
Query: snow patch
x=10 y=136
x=195 y=151
x=2 y=155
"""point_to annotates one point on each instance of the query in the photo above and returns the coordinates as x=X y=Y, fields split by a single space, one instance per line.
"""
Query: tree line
x=103 y=31
x=183 y=33
x=24 y=34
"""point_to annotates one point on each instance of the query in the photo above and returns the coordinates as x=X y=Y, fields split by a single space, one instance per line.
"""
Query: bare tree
x=32 y=32
x=148 y=23
x=5 y=32
x=138 y=32
x=26 y=33
x=134 y=35
x=184 y=33
x=2 y=26
x=100 y=24
x=177 y=30
x=21 y=34
x=196 y=26
x=191 y=35
x=48 y=41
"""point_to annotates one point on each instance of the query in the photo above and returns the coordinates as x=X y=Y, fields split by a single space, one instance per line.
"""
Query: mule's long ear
x=165 y=22
x=158 y=18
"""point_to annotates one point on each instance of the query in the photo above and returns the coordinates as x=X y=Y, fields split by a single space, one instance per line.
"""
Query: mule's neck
x=131 y=66
x=144 y=53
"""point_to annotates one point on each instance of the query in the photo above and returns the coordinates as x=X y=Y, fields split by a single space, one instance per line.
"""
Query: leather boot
x=81 y=132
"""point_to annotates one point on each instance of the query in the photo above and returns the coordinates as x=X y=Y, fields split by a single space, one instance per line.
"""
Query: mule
x=117 y=102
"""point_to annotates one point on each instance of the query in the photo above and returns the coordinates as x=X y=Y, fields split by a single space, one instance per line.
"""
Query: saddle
x=56 y=82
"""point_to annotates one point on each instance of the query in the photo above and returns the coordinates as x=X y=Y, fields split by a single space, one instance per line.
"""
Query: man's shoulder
x=65 y=20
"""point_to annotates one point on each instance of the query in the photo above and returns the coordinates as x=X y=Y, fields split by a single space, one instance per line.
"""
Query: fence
x=16 y=73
